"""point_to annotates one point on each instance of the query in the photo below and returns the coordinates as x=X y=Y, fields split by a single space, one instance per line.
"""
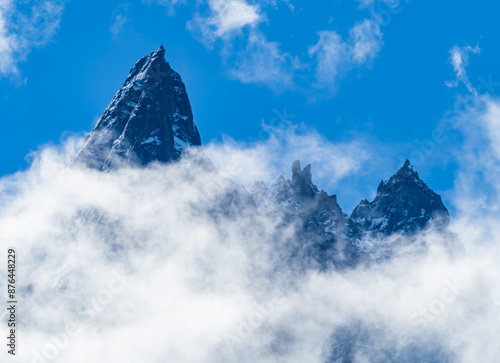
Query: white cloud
x=232 y=15
x=479 y=157
x=256 y=59
x=330 y=55
x=279 y=146
x=169 y=4
x=21 y=31
x=459 y=59
x=120 y=19
x=7 y=41
x=366 y=40
x=391 y=3
x=263 y=62
x=251 y=57
x=226 y=19
x=140 y=250
x=334 y=57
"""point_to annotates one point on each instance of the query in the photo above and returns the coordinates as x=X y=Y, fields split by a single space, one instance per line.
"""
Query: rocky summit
x=403 y=203
x=324 y=230
x=403 y=206
x=149 y=119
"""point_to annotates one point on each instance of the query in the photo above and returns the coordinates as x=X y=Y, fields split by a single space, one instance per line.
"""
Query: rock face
x=404 y=203
x=149 y=119
x=360 y=342
x=328 y=238
x=324 y=230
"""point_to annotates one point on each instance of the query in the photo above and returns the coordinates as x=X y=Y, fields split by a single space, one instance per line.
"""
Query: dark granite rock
x=323 y=229
x=149 y=119
x=404 y=203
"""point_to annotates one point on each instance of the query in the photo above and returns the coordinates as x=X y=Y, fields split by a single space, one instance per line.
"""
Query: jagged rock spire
x=403 y=203
x=323 y=225
x=302 y=180
x=149 y=119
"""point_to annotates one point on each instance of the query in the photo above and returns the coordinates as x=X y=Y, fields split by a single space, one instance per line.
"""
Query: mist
x=148 y=264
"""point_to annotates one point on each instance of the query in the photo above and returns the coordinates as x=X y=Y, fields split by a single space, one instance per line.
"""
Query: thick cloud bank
x=167 y=264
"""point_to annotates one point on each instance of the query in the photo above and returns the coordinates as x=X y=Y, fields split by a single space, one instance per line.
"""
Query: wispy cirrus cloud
x=459 y=59
x=391 y=3
x=7 y=41
x=330 y=53
x=169 y=4
x=257 y=60
x=334 y=56
x=21 y=30
x=235 y=29
x=120 y=19
x=365 y=41
x=263 y=62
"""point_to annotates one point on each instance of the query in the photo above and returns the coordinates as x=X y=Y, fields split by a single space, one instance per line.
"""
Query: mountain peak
x=151 y=67
x=149 y=119
x=299 y=173
x=407 y=172
x=403 y=203
x=407 y=168
x=302 y=180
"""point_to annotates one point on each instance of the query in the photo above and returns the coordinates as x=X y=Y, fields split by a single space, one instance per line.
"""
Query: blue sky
x=381 y=71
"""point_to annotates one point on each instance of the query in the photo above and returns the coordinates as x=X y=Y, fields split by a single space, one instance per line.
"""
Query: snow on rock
x=149 y=119
x=403 y=206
